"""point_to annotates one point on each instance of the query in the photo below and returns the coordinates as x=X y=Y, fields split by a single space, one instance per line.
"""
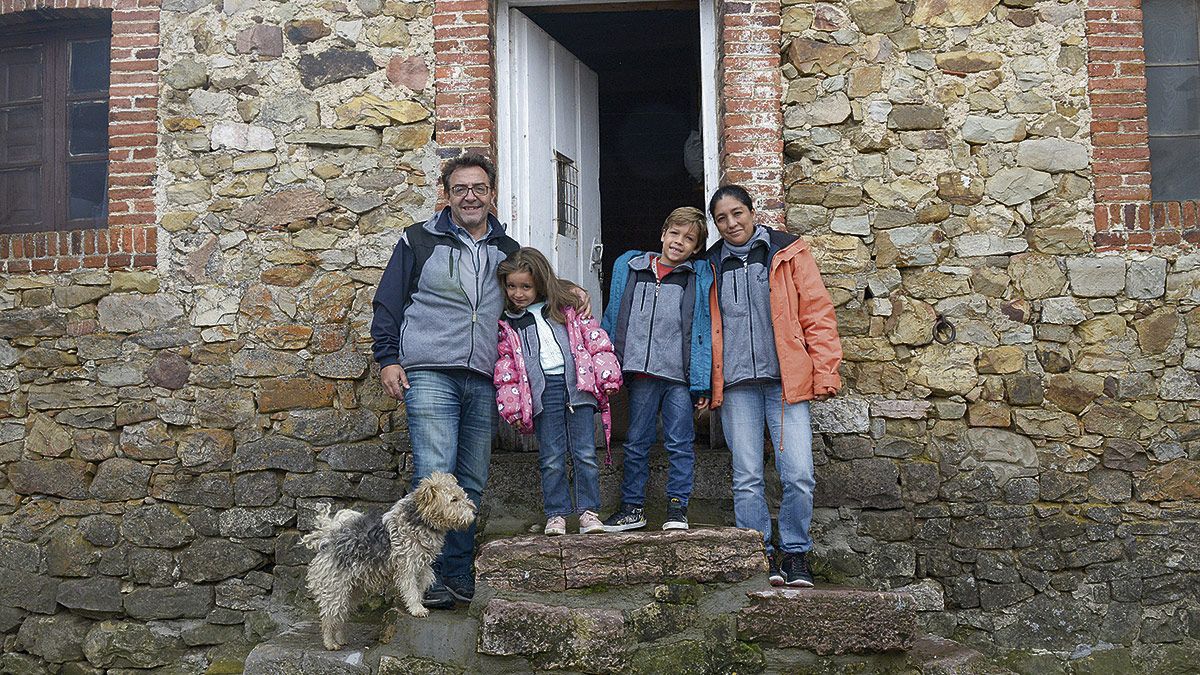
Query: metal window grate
x=567 y=182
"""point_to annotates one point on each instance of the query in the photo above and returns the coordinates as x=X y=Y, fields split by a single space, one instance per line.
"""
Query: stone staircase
x=692 y=601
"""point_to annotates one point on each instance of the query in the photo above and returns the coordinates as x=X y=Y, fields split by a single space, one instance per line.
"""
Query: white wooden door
x=556 y=152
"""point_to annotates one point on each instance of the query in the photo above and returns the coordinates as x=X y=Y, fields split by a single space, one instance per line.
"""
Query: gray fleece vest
x=744 y=294
x=653 y=332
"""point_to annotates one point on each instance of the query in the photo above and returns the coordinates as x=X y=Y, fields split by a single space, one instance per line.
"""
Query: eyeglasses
x=480 y=190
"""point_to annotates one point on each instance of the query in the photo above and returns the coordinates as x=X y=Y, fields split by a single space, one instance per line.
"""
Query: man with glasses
x=436 y=312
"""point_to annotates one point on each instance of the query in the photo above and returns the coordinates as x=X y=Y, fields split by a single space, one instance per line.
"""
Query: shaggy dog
x=358 y=551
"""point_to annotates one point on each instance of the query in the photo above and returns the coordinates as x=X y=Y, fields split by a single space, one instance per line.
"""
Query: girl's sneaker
x=589 y=523
x=555 y=526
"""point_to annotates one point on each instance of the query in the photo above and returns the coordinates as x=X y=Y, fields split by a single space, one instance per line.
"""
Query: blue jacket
x=662 y=328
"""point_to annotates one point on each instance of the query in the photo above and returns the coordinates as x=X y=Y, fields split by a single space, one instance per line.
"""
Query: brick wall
x=463 y=66
x=1125 y=216
x=130 y=240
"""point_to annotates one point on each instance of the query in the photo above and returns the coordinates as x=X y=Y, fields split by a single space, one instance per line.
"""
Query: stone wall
x=1041 y=468
x=164 y=434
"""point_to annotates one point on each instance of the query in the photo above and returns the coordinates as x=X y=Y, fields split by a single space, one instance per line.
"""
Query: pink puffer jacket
x=597 y=372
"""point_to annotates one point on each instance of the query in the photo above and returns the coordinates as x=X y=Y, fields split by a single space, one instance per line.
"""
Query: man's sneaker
x=676 y=515
x=461 y=587
x=626 y=518
x=774 y=576
x=556 y=525
x=438 y=596
x=795 y=570
x=589 y=523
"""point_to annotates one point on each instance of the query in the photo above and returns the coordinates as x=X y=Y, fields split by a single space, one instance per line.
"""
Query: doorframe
x=506 y=203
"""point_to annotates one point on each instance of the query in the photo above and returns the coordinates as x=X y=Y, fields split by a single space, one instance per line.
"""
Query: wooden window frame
x=55 y=36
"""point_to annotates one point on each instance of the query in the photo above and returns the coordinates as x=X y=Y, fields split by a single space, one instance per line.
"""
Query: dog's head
x=442 y=503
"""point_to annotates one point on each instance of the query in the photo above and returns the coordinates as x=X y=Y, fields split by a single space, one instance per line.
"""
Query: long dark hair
x=557 y=293
x=736 y=191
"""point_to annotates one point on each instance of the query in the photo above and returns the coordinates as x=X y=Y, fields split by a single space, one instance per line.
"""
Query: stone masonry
x=165 y=433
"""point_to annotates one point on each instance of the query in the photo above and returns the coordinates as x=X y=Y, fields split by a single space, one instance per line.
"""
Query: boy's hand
x=702 y=403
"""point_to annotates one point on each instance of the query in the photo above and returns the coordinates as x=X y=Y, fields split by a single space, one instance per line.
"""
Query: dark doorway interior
x=648 y=65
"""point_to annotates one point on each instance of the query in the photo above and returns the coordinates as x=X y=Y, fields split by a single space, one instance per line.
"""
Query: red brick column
x=1124 y=214
x=751 y=99
x=131 y=238
x=464 y=76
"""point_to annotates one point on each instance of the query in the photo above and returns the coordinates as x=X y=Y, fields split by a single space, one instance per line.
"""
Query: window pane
x=1169 y=28
x=1173 y=99
x=1173 y=176
x=21 y=134
x=20 y=74
x=19 y=197
x=89 y=128
x=87 y=190
x=89 y=66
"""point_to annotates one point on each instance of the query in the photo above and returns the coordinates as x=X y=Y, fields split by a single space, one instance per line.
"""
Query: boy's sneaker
x=626 y=518
x=795 y=570
x=589 y=523
x=556 y=525
x=774 y=576
x=676 y=515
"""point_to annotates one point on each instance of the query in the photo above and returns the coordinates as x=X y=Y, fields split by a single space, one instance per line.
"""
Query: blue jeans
x=743 y=412
x=451 y=420
x=561 y=431
x=648 y=395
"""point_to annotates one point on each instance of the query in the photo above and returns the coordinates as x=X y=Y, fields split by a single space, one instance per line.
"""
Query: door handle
x=597 y=254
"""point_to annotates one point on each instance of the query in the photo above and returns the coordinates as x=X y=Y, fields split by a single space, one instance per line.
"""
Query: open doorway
x=656 y=126
x=647 y=61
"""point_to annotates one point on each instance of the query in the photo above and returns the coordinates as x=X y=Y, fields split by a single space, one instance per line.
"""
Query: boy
x=658 y=318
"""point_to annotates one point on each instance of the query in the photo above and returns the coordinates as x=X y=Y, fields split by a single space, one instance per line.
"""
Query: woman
x=784 y=353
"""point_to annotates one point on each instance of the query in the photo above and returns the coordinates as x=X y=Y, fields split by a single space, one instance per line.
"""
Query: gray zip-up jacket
x=531 y=348
x=744 y=295
x=424 y=317
x=652 y=330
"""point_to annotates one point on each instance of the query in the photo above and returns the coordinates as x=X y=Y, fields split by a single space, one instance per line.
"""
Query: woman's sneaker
x=795 y=570
x=626 y=518
x=774 y=576
x=555 y=526
x=676 y=515
x=589 y=523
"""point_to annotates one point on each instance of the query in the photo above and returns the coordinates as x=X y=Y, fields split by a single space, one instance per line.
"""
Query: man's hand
x=585 y=309
x=395 y=380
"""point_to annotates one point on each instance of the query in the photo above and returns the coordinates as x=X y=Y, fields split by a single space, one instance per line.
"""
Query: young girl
x=555 y=369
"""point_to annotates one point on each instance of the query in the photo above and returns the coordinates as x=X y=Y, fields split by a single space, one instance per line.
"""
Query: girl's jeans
x=560 y=432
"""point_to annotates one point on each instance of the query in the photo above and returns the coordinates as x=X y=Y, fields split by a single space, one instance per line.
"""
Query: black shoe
x=461 y=587
x=795 y=570
x=438 y=596
x=626 y=518
x=774 y=576
x=676 y=515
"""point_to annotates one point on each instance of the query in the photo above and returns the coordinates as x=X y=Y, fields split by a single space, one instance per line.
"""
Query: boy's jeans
x=648 y=395
x=560 y=432
x=743 y=412
x=451 y=419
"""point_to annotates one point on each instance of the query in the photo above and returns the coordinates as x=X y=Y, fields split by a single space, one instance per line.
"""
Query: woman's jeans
x=647 y=396
x=560 y=432
x=743 y=412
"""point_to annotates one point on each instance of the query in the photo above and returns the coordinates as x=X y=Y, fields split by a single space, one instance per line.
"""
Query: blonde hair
x=557 y=293
x=692 y=217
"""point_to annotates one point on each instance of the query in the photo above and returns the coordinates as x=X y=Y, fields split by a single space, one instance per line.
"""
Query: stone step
x=933 y=655
x=830 y=620
x=548 y=564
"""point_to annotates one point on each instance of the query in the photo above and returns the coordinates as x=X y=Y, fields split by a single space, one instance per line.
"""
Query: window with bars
x=1171 y=35
x=54 y=78
x=567 y=180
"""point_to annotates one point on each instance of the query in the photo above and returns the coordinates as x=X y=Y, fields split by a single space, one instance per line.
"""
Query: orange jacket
x=805 y=327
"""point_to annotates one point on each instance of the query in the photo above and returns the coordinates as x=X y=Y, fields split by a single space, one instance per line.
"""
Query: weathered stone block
x=1146 y=278
x=334 y=65
x=963 y=62
x=555 y=637
x=274 y=452
x=298 y=392
x=169 y=603
x=1015 y=185
x=870 y=483
x=119 y=479
x=239 y=136
x=98 y=596
x=27 y=590
x=1054 y=155
x=830 y=621
x=67 y=478
x=135 y=312
x=1096 y=277
x=260 y=39
x=156 y=525
x=550 y=564
x=56 y=639
x=216 y=559
x=916 y=117
x=122 y=644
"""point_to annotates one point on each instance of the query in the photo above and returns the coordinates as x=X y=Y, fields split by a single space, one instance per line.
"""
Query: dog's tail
x=327 y=525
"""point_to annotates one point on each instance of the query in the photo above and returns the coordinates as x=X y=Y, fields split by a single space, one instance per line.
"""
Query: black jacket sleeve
x=395 y=289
